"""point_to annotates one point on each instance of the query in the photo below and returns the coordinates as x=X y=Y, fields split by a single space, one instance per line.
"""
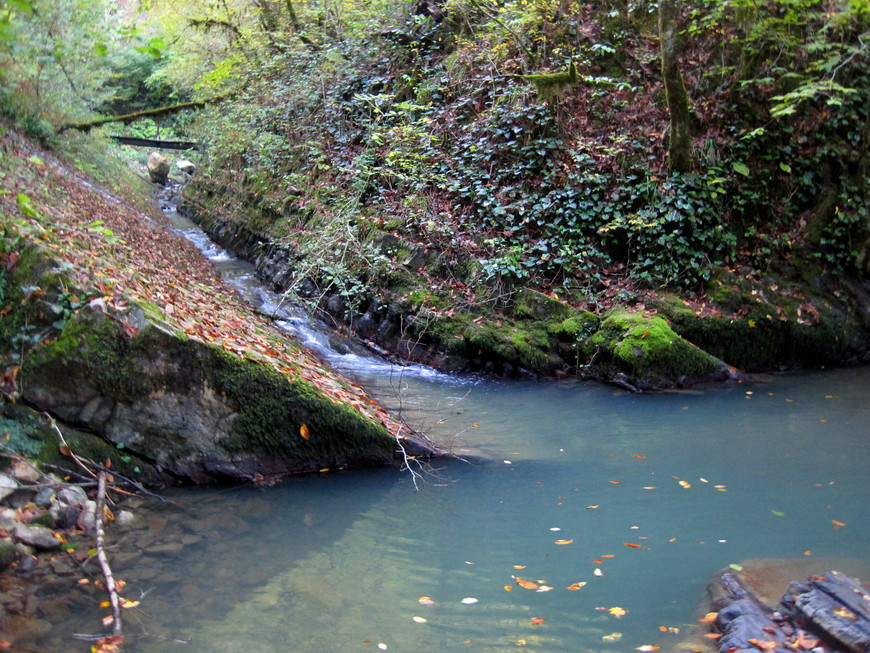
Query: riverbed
x=575 y=517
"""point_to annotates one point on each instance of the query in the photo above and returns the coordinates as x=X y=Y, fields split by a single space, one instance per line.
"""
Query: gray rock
x=7 y=486
x=43 y=497
x=158 y=168
x=8 y=518
x=36 y=536
x=125 y=519
x=88 y=517
x=72 y=496
x=185 y=166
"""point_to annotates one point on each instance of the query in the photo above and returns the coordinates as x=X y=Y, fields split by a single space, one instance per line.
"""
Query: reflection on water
x=335 y=563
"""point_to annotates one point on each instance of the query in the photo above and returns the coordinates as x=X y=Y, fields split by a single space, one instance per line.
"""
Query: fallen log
x=155 y=143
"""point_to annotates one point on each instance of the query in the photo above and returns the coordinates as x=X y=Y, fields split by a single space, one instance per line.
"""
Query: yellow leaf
x=709 y=618
x=303 y=431
x=529 y=585
x=564 y=541
x=128 y=604
x=105 y=604
x=618 y=612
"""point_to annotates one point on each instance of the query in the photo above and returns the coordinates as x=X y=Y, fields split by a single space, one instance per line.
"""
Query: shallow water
x=338 y=562
x=334 y=563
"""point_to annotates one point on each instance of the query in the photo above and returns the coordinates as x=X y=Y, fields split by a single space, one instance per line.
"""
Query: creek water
x=553 y=481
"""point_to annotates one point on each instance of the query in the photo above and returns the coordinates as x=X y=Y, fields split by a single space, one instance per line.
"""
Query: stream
x=613 y=508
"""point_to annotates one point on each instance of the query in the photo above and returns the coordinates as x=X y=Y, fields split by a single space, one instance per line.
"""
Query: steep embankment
x=114 y=323
x=490 y=188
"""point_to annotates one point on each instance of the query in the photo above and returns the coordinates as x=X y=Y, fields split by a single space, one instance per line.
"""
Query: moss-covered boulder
x=191 y=408
x=642 y=352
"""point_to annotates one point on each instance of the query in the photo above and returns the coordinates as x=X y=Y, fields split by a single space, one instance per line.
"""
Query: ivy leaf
x=740 y=168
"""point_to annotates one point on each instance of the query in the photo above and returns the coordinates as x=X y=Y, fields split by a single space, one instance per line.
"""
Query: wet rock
x=7 y=486
x=38 y=537
x=126 y=520
x=87 y=519
x=65 y=517
x=21 y=629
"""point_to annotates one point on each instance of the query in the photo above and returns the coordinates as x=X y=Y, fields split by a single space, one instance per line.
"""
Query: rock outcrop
x=190 y=408
x=158 y=168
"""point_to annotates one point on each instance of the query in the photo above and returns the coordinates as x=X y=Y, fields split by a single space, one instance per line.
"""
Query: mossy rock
x=534 y=305
x=192 y=408
x=644 y=352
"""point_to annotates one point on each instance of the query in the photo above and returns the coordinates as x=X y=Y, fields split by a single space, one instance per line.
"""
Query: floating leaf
x=419 y=620
x=382 y=646
x=735 y=567
x=685 y=484
x=519 y=566
x=712 y=635
x=648 y=647
x=778 y=513
x=544 y=588
x=577 y=586
x=564 y=541
x=425 y=600
x=592 y=507
x=612 y=637
x=537 y=620
x=618 y=612
x=837 y=524
x=128 y=604
x=527 y=584
x=508 y=588
x=632 y=545
x=708 y=618
x=469 y=600
x=597 y=572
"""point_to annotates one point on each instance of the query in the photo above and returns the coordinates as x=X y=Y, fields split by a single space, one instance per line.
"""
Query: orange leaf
x=712 y=635
x=632 y=545
x=837 y=524
x=564 y=541
x=609 y=555
x=303 y=431
x=709 y=618
x=576 y=586
x=537 y=620
x=529 y=585
x=508 y=588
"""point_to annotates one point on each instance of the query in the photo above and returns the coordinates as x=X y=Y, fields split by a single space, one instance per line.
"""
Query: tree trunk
x=679 y=133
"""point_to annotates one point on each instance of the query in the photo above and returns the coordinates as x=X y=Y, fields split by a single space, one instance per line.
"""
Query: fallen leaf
x=508 y=588
x=597 y=572
x=544 y=588
x=685 y=484
x=425 y=600
x=469 y=600
x=128 y=604
x=618 y=612
x=612 y=637
x=648 y=647
x=712 y=635
x=709 y=618
x=577 y=586
x=419 y=620
x=519 y=566
x=638 y=456
x=837 y=524
x=846 y=614
x=564 y=541
x=527 y=584
x=592 y=507
x=537 y=620
x=303 y=431
x=609 y=555
x=632 y=545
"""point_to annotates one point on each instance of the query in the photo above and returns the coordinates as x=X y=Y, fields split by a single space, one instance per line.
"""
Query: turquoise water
x=338 y=562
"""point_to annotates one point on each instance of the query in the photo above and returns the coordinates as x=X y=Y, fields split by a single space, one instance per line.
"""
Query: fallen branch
x=101 y=555
x=148 y=113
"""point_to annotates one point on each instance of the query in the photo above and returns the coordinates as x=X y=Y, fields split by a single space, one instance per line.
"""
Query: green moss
x=648 y=351
x=577 y=327
x=531 y=304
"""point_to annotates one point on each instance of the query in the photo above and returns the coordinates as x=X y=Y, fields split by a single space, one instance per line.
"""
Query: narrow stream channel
x=640 y=497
